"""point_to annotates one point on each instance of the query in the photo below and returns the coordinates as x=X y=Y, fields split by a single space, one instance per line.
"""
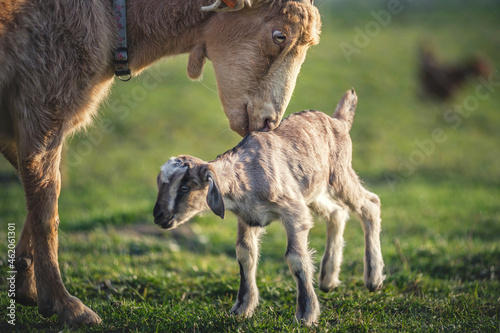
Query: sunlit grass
x=440 y=198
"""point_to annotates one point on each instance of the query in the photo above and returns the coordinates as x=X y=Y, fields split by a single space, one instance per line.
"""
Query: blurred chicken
x=440 y=81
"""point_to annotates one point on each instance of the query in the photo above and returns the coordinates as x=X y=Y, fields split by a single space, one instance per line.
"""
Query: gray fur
x=277 y=175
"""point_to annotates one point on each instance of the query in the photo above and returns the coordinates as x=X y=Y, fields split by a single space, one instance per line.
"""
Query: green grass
x=441 y=200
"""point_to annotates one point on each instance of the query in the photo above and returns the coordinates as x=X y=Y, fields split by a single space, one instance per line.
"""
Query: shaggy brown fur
x=56 y=65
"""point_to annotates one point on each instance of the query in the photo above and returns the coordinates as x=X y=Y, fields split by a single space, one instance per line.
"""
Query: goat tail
x=346 y=108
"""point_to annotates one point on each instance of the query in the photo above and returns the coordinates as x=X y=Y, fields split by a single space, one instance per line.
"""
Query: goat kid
x=277 y=175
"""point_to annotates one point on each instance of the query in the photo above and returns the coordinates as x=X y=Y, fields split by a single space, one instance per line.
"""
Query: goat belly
x=250 y=218
x=255 y=223
x=252 y=223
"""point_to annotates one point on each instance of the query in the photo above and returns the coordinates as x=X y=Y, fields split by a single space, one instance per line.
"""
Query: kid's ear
x=214 y=197
x=197 y=59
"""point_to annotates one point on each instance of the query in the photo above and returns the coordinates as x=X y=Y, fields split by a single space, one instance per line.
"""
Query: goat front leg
x=39 y=171
x=247 y=252
x=300 y=264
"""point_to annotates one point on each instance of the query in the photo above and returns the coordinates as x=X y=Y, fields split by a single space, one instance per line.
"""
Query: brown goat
x=56 y=65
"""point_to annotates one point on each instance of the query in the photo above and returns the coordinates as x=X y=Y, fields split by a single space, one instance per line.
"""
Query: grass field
x=435 y=166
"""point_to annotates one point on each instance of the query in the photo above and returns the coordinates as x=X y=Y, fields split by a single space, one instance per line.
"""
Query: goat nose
x=269 y=124
x=157 y=212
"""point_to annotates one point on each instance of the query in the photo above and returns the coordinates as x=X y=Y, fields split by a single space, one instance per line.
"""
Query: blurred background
x=434 y=160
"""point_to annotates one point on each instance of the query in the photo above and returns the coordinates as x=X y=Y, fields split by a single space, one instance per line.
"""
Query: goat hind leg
x=332 y=258
x=247 y=252
x=39 y=170
x=26 y=293
x=367 y=206
x=25 y=273
x=372 y=226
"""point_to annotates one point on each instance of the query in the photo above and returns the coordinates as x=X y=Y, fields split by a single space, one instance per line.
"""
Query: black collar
x=121 y=52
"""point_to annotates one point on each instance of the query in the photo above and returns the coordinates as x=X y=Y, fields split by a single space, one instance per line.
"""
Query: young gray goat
x=277 y=175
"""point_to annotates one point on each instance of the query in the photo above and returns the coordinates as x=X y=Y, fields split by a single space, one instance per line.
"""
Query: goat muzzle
x=158 y=212
x=166 y=222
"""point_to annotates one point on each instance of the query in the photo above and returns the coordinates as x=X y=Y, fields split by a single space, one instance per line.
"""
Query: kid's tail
x=346 y=108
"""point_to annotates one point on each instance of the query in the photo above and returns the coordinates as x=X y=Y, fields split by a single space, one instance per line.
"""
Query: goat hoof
x=374 y=287
x=308 y=320
x=329 y=286
x=309 y=317
x=240 y=309
x=26 y=293
x=375 y=283
x=74 y=313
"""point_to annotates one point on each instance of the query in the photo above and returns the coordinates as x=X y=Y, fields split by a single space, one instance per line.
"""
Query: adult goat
x=56 y=65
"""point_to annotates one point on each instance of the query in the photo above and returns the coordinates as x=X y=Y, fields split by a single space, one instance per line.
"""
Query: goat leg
x=25 y=269
x=374 y=263
x=39 y=171
x=247 y=252
x=367 y=206
x=24 y=265
x=332 y=258
x=300 y=264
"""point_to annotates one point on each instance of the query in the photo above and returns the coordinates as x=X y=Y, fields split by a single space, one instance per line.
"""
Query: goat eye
x=278 y=37
x=185 y=188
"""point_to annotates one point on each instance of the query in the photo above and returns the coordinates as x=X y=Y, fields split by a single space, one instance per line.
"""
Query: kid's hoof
x=240 y=309
x=375 y=287
x=309 y=317
x=327 y=286
x=375 y=283
x=309 y=320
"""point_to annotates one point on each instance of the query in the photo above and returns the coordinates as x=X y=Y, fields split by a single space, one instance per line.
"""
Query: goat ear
x=214 y=197
x=196 y=61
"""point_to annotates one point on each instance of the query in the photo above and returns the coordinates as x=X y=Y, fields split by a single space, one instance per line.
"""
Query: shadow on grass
x=484 y=229
x=480 y=267
x=440 y=265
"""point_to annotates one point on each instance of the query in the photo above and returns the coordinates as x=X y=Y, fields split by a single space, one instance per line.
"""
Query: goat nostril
x=267 y=125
